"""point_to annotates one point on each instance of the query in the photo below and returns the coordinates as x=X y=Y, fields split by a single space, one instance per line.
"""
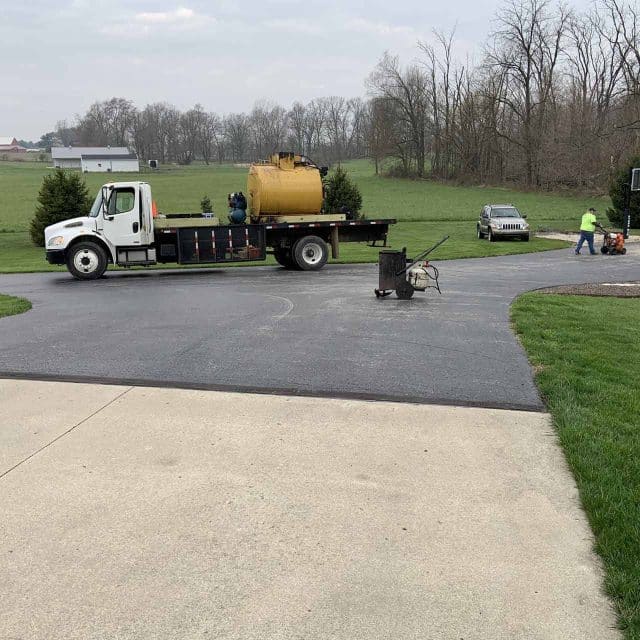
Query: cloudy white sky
x=56 y=58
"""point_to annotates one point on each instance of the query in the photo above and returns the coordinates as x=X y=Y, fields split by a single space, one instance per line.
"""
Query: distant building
x=95 y=159
x=11 y=145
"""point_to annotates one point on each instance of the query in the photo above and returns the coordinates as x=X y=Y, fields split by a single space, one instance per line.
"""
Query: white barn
x=96 y=162
x=95 y=159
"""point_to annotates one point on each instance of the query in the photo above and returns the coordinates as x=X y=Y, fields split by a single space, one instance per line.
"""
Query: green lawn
x=587 y=355
x=426 y=200
x=10 y=306
x=427 y=210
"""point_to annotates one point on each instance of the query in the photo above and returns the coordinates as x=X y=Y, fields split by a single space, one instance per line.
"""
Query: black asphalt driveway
x=314 y=333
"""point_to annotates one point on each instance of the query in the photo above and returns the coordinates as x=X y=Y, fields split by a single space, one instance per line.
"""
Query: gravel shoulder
x=613 y=289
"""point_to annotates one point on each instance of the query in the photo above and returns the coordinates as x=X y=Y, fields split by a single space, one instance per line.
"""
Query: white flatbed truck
x=121 y=229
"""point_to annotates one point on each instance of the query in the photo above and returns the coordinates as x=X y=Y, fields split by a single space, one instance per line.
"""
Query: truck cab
x=117 y=230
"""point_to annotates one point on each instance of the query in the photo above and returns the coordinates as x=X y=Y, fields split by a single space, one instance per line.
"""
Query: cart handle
x=422 y=256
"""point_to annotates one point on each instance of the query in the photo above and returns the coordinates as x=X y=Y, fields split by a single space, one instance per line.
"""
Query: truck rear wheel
x=284 y=258
x=86 y=260
x=310 y=253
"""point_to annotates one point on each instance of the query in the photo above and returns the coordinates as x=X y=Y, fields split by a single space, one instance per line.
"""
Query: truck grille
x=512 y=226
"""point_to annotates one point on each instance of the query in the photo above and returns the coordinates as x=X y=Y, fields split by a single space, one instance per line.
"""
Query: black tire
x=283 y=257
x=525 y=238
x=479 y=233
x=492 y=237
x=623 y=250
x=310 y=253
x=604 y=249
x=86 y=260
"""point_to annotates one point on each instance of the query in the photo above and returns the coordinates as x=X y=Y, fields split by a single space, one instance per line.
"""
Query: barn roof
x=7 y=141
x=74 y=153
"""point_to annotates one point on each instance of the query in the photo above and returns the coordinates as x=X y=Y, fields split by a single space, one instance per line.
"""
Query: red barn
x=10 y=144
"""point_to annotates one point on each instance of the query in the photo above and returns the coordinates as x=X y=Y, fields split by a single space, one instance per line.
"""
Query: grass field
x=426 y=210
x=587 y=354
x=10 y=306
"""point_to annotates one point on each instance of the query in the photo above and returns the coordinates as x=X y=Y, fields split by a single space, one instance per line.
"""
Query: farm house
x=11 y=145
x=95 y=159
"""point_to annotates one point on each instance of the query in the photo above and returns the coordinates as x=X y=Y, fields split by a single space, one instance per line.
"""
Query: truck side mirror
x=524 y=215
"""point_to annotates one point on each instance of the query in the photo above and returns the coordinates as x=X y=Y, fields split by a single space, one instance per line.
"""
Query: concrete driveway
x=153 y=513
x=266 y=329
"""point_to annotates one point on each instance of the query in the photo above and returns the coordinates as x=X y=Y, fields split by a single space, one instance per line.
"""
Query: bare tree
x=380 y=131
x=237 y=134
x=67 y=135
x=525 y=51
x=268 y=125
x=211 y=138
x=108 y=123
x=407 y=89
x=296 y=121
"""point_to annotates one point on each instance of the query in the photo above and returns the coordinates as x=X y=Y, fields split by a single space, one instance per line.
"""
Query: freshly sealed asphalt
x=266 y=329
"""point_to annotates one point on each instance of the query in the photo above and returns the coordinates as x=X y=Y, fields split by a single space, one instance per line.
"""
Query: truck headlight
x=56 y=241
x=495 y=225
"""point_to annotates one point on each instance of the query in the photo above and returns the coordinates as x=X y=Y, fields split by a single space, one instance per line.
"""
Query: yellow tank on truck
x=286 y=185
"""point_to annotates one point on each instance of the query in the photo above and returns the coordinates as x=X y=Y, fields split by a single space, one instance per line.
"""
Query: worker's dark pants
x=588 y=236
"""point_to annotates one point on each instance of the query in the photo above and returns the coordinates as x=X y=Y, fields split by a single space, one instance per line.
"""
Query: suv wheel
x=492 y=237
x=480 y=234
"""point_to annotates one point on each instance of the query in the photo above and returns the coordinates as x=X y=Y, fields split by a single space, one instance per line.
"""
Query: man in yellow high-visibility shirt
x=587 y=228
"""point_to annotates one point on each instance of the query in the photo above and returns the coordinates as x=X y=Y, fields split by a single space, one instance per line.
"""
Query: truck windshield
x=504 y=212
x=95 y=207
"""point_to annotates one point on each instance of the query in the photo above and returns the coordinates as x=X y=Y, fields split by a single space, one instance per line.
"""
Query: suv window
x=505 y=212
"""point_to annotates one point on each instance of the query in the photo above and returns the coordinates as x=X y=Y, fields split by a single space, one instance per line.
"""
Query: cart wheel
x=604 y=249
x=624 y=250
x=404 y=291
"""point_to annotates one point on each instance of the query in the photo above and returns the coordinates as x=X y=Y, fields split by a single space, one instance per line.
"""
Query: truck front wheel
x=310 y=253
x=86 y=260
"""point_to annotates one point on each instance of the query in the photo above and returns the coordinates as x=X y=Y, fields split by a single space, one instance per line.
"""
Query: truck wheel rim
x=312 y=253
x=86 y=261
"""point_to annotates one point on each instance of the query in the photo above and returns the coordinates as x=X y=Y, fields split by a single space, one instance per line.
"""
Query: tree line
x=326 y=129
x=554 y=101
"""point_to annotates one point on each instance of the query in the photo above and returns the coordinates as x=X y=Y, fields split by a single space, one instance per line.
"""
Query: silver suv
x=502 y=221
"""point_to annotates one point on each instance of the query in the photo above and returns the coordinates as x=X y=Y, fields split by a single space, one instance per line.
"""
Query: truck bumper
x=56 y=257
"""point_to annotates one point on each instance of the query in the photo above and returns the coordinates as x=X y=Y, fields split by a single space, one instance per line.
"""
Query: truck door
x=122 y=220
x=145 y=205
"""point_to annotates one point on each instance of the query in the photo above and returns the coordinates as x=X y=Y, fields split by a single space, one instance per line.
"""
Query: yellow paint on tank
x=296 y=189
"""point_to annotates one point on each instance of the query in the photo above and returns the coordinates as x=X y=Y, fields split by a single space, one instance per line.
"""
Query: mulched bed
x=616 y=289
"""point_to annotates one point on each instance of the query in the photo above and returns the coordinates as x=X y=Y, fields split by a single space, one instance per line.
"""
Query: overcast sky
x=56 y=58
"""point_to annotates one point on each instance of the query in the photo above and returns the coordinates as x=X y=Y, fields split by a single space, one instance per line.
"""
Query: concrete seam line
x=62 y=435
